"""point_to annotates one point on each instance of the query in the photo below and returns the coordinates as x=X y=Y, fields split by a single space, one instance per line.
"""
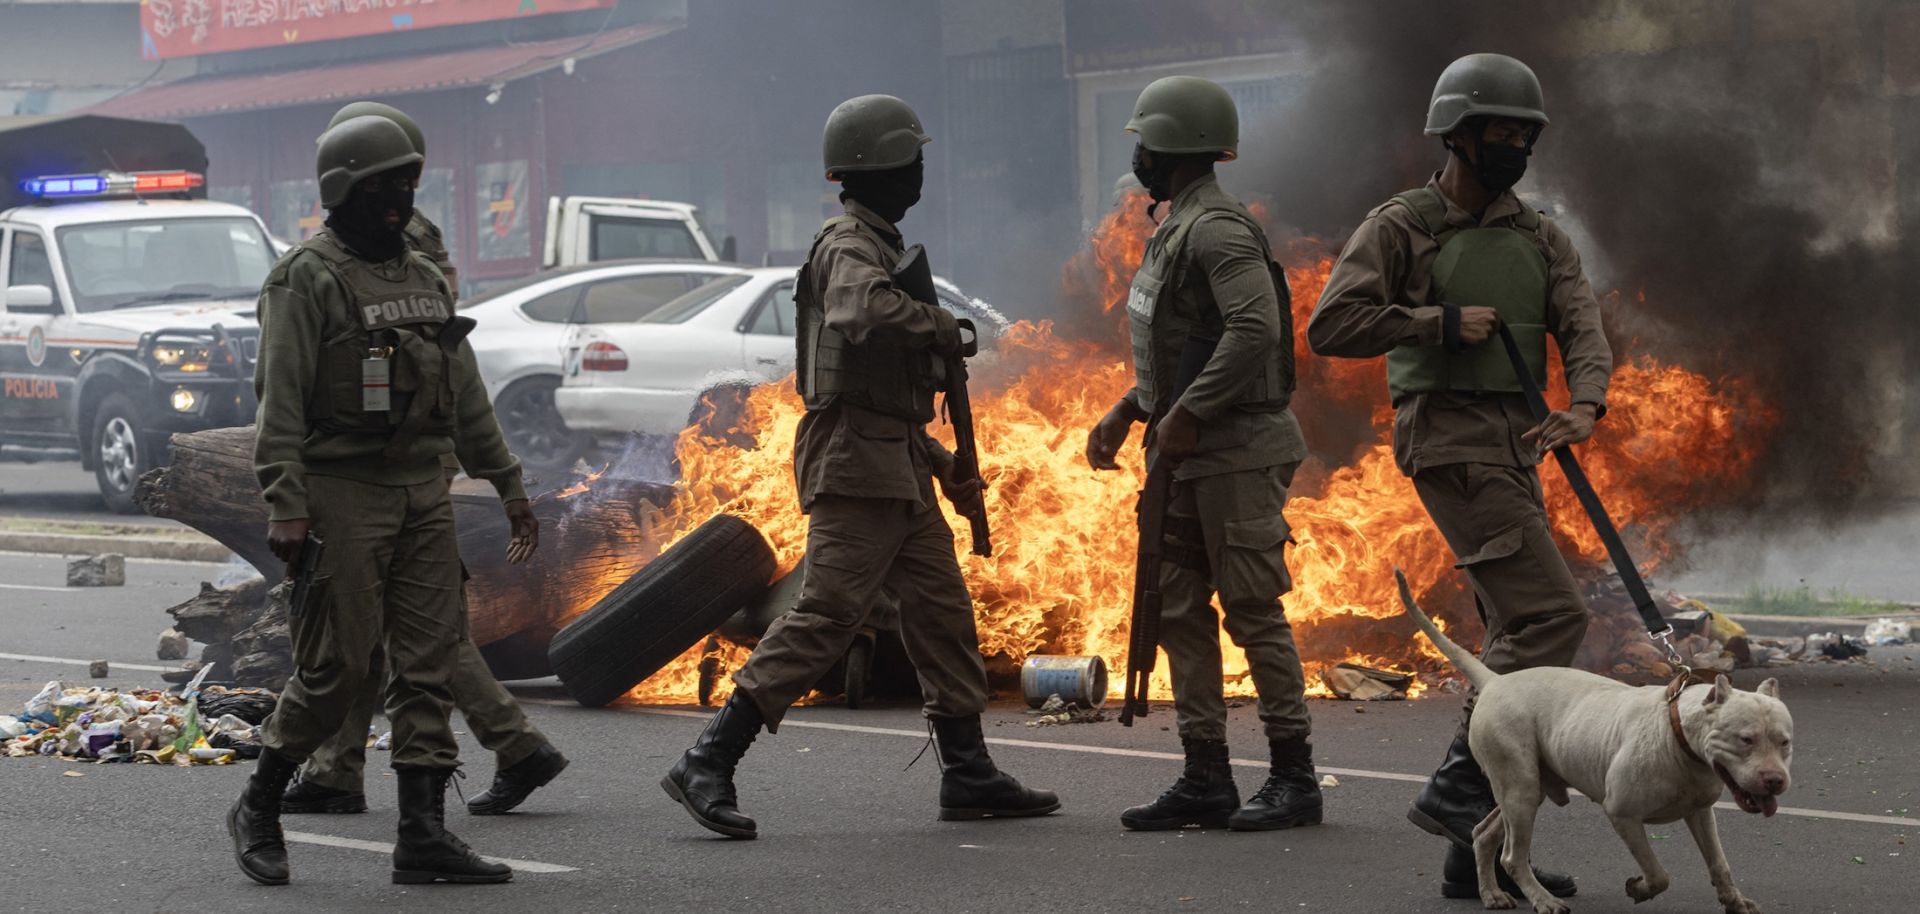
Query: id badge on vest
x=376 y=381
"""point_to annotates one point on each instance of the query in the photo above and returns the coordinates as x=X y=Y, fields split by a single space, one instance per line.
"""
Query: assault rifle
x=914 y=276
x=1143 y=639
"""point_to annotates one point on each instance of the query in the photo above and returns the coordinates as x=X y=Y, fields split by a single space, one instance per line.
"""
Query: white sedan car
x=646 y=377
x=521 y=334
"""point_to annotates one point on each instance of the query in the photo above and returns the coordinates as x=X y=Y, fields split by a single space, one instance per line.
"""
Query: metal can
x=1077 y=680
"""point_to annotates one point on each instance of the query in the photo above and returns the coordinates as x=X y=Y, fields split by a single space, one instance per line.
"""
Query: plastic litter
x=384 y=743
x=1884 y=631
x=108 y=725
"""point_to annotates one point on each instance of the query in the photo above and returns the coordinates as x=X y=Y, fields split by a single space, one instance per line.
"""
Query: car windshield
x=129 y=264
x=682 y=309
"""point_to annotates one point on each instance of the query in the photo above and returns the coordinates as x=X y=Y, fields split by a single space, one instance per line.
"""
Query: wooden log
x=592 y=537
x=209 y=485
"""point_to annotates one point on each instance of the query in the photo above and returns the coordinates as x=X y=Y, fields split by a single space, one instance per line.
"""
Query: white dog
x=1643 y=753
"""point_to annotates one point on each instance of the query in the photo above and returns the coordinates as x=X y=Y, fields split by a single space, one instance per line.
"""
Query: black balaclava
x=1157 y=178
x=888 y=193
x=1501 y=166
x=361 y=221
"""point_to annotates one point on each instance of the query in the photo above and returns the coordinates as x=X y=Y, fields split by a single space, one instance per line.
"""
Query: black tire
x=120 y=452
x=667 y=607
x=534 y=430
x=522 y=655
x=859 y=665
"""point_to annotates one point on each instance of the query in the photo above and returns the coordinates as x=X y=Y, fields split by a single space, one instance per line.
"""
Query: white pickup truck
x=590 y=229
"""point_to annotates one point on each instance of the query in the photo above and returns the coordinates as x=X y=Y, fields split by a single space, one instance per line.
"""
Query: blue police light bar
x=111 y=183
x=65 y=186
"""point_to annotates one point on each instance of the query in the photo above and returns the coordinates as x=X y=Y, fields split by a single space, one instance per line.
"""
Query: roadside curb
x=135 y=547
x=1801 y=626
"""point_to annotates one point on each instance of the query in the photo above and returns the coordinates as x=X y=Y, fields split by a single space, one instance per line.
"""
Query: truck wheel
x=667 y=607
x=535 y=432
x=121 y=453
x=859 y=667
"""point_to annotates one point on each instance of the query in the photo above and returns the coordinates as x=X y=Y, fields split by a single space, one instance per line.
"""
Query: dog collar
x=1674 y=688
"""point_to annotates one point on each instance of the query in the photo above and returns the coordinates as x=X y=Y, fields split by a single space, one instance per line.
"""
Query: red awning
x=228 y=93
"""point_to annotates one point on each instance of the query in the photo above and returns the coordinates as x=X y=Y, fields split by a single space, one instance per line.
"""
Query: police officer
x=868 y=361
x=365 y=381
x=1427 y=280
x=1208 y=274
x=331 y=780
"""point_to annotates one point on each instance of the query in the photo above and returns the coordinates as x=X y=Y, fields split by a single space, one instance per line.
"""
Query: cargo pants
x=389 y=580
x=490 y=711
x=1494 y=519
x=856 y=548
x=1226 y=534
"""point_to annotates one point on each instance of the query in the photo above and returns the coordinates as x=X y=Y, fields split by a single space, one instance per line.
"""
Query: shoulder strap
x=1429 y=210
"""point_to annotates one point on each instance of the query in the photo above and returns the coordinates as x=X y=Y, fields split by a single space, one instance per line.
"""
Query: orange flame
x=1060 y=580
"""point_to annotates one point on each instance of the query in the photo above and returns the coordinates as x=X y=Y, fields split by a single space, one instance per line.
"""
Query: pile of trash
x=1353 y=682
x=1824 y=647
x=1056 y=711
x=214 y=726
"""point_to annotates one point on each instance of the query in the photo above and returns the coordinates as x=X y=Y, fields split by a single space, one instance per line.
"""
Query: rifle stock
x=1143 y=636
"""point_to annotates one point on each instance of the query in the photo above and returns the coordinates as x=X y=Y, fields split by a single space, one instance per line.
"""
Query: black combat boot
x=1204 y=795
x=1459 y=878
x=254 y=820
x=426 y=852
x=971 y=787
x=514 y=783
x=702 y=781
x=304 y=796
x=1452 y=803
x=1291 y=795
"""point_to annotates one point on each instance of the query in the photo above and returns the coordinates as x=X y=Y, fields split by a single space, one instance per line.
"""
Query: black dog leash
x=1657 y=627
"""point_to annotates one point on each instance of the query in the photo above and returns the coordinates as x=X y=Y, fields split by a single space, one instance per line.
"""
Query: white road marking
x=519 y=866
x=1244 y=763
x=71 y=661
x=38 y=587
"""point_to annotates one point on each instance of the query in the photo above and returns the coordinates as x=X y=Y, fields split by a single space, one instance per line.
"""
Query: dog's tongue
x=1769 y=805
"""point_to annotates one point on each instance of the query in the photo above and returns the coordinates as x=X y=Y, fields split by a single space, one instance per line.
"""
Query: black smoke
x=1735 y=181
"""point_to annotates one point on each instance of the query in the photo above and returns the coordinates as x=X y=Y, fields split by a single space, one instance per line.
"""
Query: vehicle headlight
x=184 y=400
x=185 y=356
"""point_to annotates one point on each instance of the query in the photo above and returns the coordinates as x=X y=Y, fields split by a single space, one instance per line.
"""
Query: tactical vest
x=829 y=368
x=1159 y=331
x=1503 y=267
x=404 y=318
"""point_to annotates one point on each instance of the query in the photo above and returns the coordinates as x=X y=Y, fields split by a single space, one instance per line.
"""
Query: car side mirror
x=31 y=299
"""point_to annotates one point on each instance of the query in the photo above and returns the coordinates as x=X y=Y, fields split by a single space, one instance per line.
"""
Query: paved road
x=52 y=484
x=847 y=825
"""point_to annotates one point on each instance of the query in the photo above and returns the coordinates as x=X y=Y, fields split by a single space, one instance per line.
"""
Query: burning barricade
x=639 y=628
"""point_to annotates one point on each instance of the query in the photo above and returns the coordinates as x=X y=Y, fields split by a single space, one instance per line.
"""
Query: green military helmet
x=872 y=133
x=380 y=109
x=1183 y=114
x=1485 y=85
x=357 y=148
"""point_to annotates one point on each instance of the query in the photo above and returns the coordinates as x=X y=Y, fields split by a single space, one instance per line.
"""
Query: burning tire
x=678 y=599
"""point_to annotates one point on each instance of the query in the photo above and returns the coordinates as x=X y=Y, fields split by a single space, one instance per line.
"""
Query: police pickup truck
x=127 y=315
